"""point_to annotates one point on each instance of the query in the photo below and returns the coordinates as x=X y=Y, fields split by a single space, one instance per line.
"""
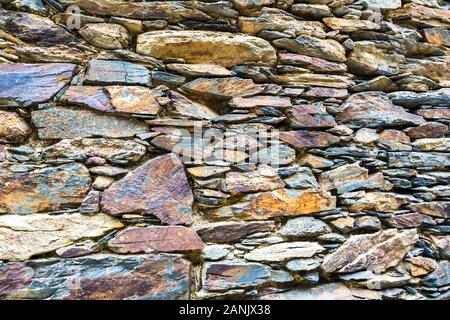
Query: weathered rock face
x=378 y=251
x=160 y=239
x=72 y=122
x=26 y=84
x=374 y=110
x=35 y=234
x=224 y=49
x=29 y=192
x=159 y=187
x=280 y=149
x=98 y=277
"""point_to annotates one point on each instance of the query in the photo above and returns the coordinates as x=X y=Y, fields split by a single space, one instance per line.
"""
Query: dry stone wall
x=273 y=149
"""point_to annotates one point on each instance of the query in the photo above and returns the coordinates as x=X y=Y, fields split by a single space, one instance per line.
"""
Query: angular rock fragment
x=26 y=84
x=317 y=80
x=106 y=35
x=314 y=47
x=421 y=16
x=34 y=29
x=174 y=11
x=278 y=203
x=313 y=63
x=13 y=128
x=304 y=227
x=427 y=130
x=199 y=70
x=328 y=291
x=378 y=251
x=43 y=189
x=73 y=122
x=308 y=139
x=284 y=251
x=374 y=109
x=158 y=187
x=418 y=159
x=184 y=107
x=264 y=178
x=344 y=179
x=222 y=88
x=440 y=277
x=437 y=36
x=156 y=238
x=260 y=101
x=228 y=232
x=108 y=149
x=26 y=236
x=411 y=99
x=234 y=274
x=350 y=25
x=110 y=72
x=221 y=48
x=434 y=209
x=380 y=201
x=310 y=116
x=123 y=99
x=98 y=277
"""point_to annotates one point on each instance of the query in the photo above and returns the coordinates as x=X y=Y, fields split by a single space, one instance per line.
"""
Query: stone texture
x=156 y=238
x=304 y=227
x=434 y=209
x=228 y=231
x=106 y=35
x=26 y=236
x=234 y=274
x=378 y=251
x=224 y=49
x=26 y=84
x=123 y=99
x=110 y=72
x=264 y=178
x=308 y=139
x=13 y=128
x=72 y=122
x=373 y=110
x=285 y=251
x=43 y=189
x=278 y=203
x=98 y=277
x=158 y=187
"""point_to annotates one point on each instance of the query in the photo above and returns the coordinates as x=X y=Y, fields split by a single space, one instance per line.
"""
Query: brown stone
x=156 y=238
x=308 y=139
x=106 y=35
x=409 y=220
x=313 y=63
x=222 y=88
x=350 y=25
x=188 y=108
x=421 y=16
x=377 y=252
x=434 y=209
x=124 y=99
x=199 y=70
x=427 y=130
x=221 y=48
x=43 y=189
x=158 y=187
x=278 y=203
x=230 y=231
x=310 y=116
x=374 y=109
x=434 y=114
x=380 y=201
x=437 y=36
x=260 y=101
x=265 y=178
x=318 y=80
x=13 y=128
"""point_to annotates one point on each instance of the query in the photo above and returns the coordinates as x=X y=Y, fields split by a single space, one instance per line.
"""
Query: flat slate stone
x=26 y=84
x=24 y=236
x=34 y=29
x=234 y=274
x=232 y=231
x=97 y=277
x=43 y=190
x=158 y=187
x=374 y=109
x=75 y=122
x=285 y=251
x=221 y=48
x=277 y=203
x=13 y=128
x=123 y=99
x=173 y=11
x=110 y=72
x=308 y=139
x=378 y=251
x=156 y=238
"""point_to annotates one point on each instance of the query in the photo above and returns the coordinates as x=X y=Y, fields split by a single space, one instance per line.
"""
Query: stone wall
x=260 y=149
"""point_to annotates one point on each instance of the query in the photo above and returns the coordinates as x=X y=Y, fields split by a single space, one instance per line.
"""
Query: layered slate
x=98 y=277
x=158 y=187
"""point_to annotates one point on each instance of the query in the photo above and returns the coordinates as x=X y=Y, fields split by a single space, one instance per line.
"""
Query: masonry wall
x=270 y=149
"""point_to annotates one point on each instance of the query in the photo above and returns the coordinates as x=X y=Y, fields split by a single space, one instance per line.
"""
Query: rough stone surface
x=158 y=187
x=101 y=277
x=280 y=149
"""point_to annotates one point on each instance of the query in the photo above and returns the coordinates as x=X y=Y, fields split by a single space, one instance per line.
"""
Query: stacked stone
x=330 y=179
